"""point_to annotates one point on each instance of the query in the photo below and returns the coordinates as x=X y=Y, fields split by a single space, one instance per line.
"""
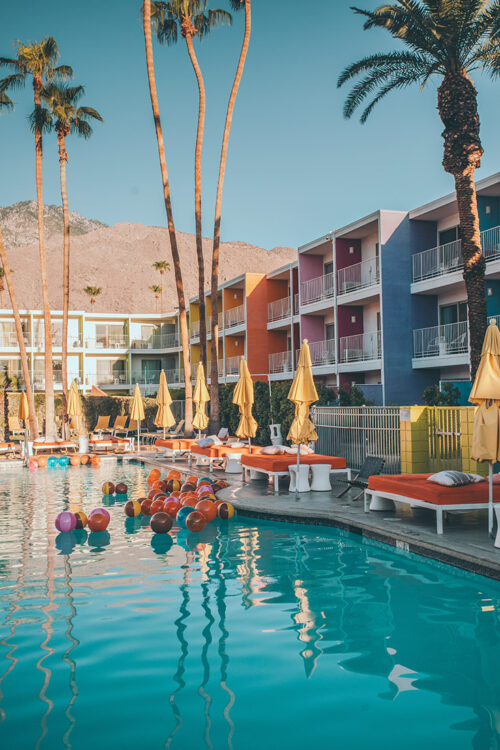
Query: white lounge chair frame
x=274 y=476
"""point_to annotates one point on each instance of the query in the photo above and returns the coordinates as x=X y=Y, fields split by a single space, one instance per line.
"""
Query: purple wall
x=345 y=327
x=311 y=266
x=342 y=253
x=312 y=327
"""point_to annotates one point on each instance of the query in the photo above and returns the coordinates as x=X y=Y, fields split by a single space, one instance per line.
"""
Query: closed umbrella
x=302 y=393
x=486 y=394
x=201 y=398
x=137 y=412
x=164 y=417
x=74 y=404
x=24 y=410
x=243 y=397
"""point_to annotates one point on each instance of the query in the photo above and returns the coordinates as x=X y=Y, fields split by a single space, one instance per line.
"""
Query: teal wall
x=493 y=301
x=486 y=221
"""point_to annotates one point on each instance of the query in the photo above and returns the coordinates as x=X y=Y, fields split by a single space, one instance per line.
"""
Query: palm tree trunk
x=20 y=340
x=171 y=227
x=63 y=158
x=50 y=428
x=197 y=198
x=214 y=375
x=161 y=293
x=457 y=104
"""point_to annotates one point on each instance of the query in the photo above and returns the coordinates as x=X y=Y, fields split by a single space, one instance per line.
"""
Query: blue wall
x=372 y=392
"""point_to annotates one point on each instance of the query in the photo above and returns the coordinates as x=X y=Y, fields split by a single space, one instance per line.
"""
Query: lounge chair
x=276 y=466
x=119 y=424
x=218 y=453
x=102 y=425
x=175 y=447
x=111 y=444
x=11 y=450
x=122 y=431
x=15 y=429
x=64 y=446
x=372 y=465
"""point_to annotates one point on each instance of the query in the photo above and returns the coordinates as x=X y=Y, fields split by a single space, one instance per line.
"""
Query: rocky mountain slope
x=20 y=223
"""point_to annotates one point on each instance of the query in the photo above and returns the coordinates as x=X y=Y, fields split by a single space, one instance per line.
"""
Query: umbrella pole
x=249 y=445
x=490 y=498
x=138 y=436
x=298 y=471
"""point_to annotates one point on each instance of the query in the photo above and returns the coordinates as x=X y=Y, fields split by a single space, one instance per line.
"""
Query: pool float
x=173 y=474
x=146 y=506
x=81 y=519
x=225 y=511
x=108 y=488
x=171 y=506
x=103 y=511
x=121 y=488
x=153 y=476
x=156 y=506
x=42 y=461
x=75 y=460
x=63 y=460
x=188 y=487
x=182 y=515
x=52 y=461
x=84 y=460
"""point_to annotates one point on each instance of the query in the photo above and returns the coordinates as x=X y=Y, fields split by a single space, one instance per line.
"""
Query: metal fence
x=355 y=432
x=445 y=448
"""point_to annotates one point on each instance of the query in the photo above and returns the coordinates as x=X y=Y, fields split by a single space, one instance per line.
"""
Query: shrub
x=449 y=396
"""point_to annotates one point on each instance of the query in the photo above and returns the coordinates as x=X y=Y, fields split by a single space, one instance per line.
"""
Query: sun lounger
x=112 y=444
x=413 y=489
x=64 y=446
x=7 y=449
x=15 y=428
x=175 y=447
x=218 y=453
x=277 y=466
x=102 y=425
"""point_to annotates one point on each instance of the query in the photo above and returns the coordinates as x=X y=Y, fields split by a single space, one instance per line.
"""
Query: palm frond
x=13 y=81
x=5 y=101
x=85 y=112
x=237 y=4
x=40 y=121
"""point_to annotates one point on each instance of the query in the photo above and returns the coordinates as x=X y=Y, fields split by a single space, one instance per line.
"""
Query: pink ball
x=103 y=511
x=65 y=521
x=204 y=489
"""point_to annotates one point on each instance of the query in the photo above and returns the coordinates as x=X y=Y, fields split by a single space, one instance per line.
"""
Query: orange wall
x=230 y=301
x=276 y=289
x=233 y=349
x=277 y=341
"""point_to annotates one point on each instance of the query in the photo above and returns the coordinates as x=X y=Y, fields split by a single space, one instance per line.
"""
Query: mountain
x=118 y=259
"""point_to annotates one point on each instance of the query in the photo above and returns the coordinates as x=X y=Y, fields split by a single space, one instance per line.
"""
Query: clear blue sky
x=296 y=168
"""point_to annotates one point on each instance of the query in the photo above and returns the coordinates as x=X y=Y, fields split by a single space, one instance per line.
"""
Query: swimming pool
x=250 y=635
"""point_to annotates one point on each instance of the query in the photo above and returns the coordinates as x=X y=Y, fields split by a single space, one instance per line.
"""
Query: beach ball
x=176 y=485
x=101 y=510
x=65 y=521
x=33 y=465
x=204 y=489
x=95 y=460
x=196 y=521
x=174 y=474
x=156 y=506
x=75 y=460
x=98 y=521
x=81 y=519
x=175 y=493
x=42 y=461
x=171 y=506
x=108 y=488
x=188 y=500
x=146 y=506
x=182 y=514
x=188 y=487
x=151 y=494
x=132 y=508
x=225 y=511
x=161 y=522
x=207 y=508
x=121 y=488
x=52 y=461
x=192 y=480
x=84 y=460
x=203 y=480
x=63 y=460
x=153 y=476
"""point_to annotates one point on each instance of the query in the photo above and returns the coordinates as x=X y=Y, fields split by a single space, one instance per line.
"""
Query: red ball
x=196 y=521
x=160 y=496
x=161 y=523
x=171 y=507
x=192 y=480
x=151 y=494
x=156 y=507
x=174 y=474
x=188 y=487
x=189 y=499
x=121 y=488
x=146 y=506
x=207 y=508
x=153 y=476
x=98 y=522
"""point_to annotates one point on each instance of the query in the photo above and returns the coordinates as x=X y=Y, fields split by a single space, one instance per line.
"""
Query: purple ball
x=101 y=510
x=205 y=489
x=65 y=521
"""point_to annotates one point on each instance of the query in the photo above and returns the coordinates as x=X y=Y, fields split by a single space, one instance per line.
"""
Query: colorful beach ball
x=52 y=461
x=174 y=474
x=75 y=460
x=63 y=460
x=132 y=508
x=204 y=480
x=225 y=511
x=153 y=476
x=65 y=521
x=146 y=506
x=196 y=521
x=81 y=519
x=207 y=507
x=121 y=488
x=42 y=461
x=108 y=488
x=101 y=510
x=171 y=506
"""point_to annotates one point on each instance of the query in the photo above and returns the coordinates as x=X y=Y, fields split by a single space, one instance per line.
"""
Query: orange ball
x=98 y=522
x=174 y=474
x=188 y=500
x=153 y=476
x=175 y=493
x=152 y=493
x=75 y=460
x=146 y=507
x=171 y=506
x=84 y=459
x=95 y=460
x=156 y=507
x=207 y=508
x=196 y=521
x=192 y=480
x=42 y=461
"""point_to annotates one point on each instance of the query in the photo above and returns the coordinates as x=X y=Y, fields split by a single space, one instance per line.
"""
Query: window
x=449 y=235
x=379 y=325
x=328 y=267
x=329 y=331
x=377 y=249
x=455 y=313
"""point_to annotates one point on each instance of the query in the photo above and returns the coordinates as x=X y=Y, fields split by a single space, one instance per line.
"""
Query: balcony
x=358 y=276
x=361 y=347
x=116 y=341
x=118 y=378
x=74 y=342
x=233 y=365
x=174 y=376
x=322 y=352
x=296 y=303
x=235 y=316
x=194 y=329
x=8 y=340
x=39 y=379
x=160 y=341
x=444 y=259
x=280 y=362
x=318 y=289
x=440 y=341
x=220 y=324
x=278 y=309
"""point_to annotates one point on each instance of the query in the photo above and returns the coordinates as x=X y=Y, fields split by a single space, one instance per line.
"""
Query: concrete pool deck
x=464 y=544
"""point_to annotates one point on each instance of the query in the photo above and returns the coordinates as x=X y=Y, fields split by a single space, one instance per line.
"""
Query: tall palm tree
x=192 y=18
x=214 y=374
x=450 y=40
x=148 y=41
x=93 y=292
x=37 y=61
x=157 y=290
x=162 y=266
x=66 y=117
x=6 y=103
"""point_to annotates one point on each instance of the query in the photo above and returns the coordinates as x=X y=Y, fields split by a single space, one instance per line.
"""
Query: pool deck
x=464 y=544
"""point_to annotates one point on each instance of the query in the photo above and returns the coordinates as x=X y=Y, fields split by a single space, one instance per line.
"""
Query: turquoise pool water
x=251 y=635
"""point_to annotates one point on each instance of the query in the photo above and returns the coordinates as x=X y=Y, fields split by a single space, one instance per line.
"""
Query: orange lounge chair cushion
x=281 y=463
x=7 y=446
x=180 y=444
x=219 y=451
x=417 y=486
x=55 y=444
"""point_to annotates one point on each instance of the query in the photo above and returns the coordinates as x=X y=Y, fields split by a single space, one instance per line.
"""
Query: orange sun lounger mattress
x=219 y=451
x=282 y=462
x=417 y=486
x=175 y=444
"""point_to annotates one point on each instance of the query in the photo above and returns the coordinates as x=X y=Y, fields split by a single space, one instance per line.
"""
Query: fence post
x=414 y=426
x=466 y=427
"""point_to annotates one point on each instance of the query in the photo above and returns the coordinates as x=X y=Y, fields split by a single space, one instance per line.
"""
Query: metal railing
x=118 y=341
x=233 y=365
x=447 y=258
x=8 y=340
x=74 y=342
x=361 y=347
x=490 y=240
x=174 y=376
x=322 y=352
x=194 y=328
x=278 y=309
x=280 y=362
x=296 y=303
x=39 y=379
x=439 y=341
x=106 y=378
x=235 y=316
x=317 y=289
x=156 y=341
x=358 y=276
x=445 y=448
x=355 y=432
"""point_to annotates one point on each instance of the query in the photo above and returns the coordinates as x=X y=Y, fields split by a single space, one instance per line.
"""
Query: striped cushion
x=454 y=478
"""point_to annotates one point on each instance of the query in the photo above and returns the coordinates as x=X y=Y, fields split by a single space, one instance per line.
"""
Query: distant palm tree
x=6 y=103
x=66 y=117
x=93 y=292
x=188 y=387
x=214 y=373
x=37 y=60
x=162 y=266
x=450 y=40
x=192 y=18
x=157 y=290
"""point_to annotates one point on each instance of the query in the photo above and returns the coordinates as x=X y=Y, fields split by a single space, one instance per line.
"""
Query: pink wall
x=312 y=327
x=311 y=266
x=342 y=253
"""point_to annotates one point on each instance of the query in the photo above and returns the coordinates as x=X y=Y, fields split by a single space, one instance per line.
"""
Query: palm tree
x=37 y=60
x=450 y=40
x=67 y=117
x=162 y=266
x=157 y=290
x=193 y=19
x=148 y=41
x=6 y=103
x=93 y=292
x=214 y=374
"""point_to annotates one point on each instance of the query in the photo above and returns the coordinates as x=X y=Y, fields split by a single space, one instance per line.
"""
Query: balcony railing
x=358 y=276
x=39 y=379
x=296 y=303
x=106 y=378
x=74 y=342
x=361 y=347
x=233 y=365
x=280 y=362
x=160 y=341
x=315 y=290
x=117 y=341
x=322 y=352
x=8 y=340
x=195 y=329
x=220 y=324
x=235 y=316
x=448 y=258
x=174 y=376
x=278 y=309
x=439 y=341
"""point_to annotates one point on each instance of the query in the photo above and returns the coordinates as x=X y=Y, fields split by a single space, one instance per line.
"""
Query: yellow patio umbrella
x=74 y=404
x=24 y=410
x=201 y=398
x=486 y=394
x=302 y=393
x=137 y=412
x=164 y=417
x=243 y=397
